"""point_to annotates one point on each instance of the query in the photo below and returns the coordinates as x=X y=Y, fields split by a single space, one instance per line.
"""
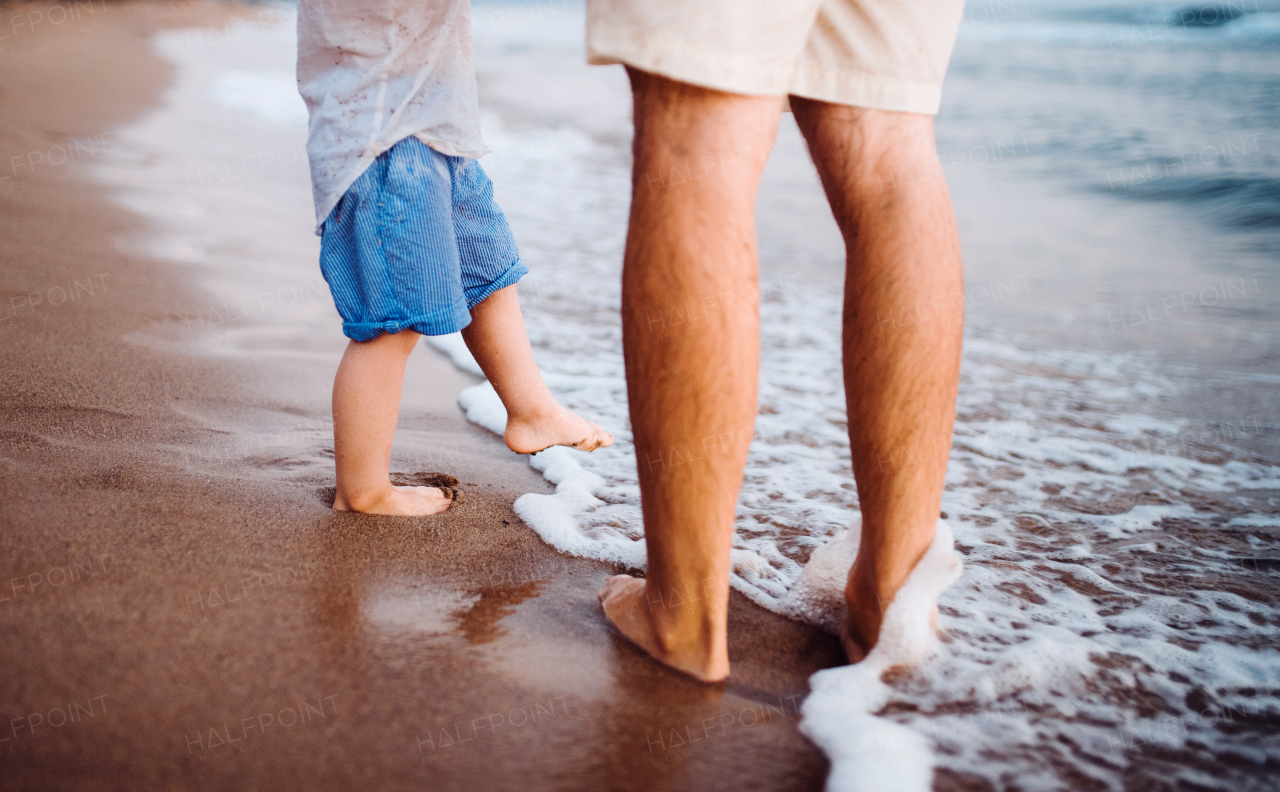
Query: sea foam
x=1069 y=498
x=1096 y=539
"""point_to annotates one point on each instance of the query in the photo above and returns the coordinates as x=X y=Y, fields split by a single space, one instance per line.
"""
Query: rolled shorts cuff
x=862 y=89
x=478 y=294
x=441 y=322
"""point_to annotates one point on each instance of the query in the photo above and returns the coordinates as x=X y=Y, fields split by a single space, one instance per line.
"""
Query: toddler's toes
x=598 y=438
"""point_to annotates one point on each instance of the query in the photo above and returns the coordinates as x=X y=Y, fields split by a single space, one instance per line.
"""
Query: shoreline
x=210 y=586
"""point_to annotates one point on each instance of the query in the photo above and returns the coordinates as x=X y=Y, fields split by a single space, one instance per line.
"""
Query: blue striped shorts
x=416 y=243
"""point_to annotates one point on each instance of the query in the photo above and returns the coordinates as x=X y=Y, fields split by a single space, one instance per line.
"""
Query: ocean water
x=1114 y=485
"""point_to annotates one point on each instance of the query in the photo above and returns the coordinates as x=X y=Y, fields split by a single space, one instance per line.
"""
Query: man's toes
x=613 y=586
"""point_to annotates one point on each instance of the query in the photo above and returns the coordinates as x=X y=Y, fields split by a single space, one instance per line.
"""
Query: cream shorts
x=885 y=54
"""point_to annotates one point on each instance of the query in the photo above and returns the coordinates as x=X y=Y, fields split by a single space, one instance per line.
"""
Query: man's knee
x=868 y=133
x=689 y=137
x=872 y=151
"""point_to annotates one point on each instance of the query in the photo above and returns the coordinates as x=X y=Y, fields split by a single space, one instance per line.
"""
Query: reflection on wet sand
x=427 y=607
x=498 y=632
x=479 y=622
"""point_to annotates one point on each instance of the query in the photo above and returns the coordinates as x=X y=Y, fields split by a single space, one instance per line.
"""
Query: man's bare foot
x=402 y=501
x=853 y=647
x=861 y=628
x=560 y=427
x=626 y=606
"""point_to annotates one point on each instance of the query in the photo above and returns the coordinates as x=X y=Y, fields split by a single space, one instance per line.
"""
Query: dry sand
x=176 y=618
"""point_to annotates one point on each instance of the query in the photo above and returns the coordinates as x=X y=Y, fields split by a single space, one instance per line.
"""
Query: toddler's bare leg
x=535 y=420
x=366 y=402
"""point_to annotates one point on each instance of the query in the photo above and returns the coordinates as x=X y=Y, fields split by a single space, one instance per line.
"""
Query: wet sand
x=178 y=614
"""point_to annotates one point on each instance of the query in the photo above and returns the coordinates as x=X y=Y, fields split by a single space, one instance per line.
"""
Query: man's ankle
x=688 y=628
x=868 y=591
x=873 y=584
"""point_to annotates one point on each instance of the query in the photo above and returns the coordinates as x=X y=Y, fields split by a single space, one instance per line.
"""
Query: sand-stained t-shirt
x=374 y=72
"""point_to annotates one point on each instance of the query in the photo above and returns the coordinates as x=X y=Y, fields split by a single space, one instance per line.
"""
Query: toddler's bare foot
x=402 y=501
x=627 y=607
x=560 y=427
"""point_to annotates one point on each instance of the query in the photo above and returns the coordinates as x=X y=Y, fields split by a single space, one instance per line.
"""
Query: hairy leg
x=903 y=328
x=690 y=328
x=535 y=420
x=366 y=403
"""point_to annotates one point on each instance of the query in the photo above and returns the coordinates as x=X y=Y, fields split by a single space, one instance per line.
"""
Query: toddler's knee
x=403 y=341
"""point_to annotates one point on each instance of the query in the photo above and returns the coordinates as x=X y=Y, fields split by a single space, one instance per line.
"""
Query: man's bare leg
x=691 y=343
x=903 y=327
x=535 y=420
x=366 y=403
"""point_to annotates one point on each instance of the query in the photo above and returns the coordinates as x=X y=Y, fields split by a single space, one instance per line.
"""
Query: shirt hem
x=366 y=159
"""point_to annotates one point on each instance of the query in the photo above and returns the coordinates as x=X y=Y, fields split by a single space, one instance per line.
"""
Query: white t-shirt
x=374 y=72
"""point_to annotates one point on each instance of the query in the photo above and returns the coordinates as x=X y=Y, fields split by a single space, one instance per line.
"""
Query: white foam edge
x=868 y=753
x=553 y=517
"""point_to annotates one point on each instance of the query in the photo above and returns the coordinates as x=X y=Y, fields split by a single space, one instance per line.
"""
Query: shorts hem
x=860 y=89
x=514 y=273
x=695 y=65
x=440 y=322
